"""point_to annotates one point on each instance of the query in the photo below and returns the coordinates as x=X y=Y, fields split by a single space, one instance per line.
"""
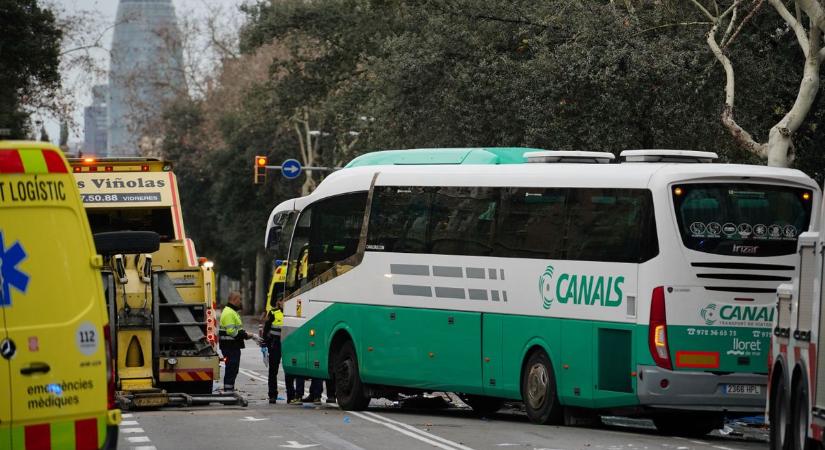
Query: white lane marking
x=420 y=431
x=136 y=439
x=127 y=416
x=720 y=447
x=691 y=440
x=128 y=423
x=252 y=419
x=131 y=430
x=425 y=437
x=253 y=375
x=402 y=431
x=295 y=444
x=144 y=447
x=417 y=430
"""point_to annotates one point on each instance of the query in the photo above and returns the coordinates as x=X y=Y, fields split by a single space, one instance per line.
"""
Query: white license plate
x=745 y=389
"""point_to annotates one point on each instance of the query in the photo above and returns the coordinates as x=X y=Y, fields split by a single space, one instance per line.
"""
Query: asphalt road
x=386 y=426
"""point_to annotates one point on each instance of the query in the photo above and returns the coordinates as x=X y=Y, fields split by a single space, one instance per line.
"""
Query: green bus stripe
x=63 y=434
x=101 y=430
x=5 y=436
x=33 y=161
x=18 y=438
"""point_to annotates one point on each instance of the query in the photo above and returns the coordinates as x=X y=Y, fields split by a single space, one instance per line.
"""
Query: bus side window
x=327 y=232
x=299 y=242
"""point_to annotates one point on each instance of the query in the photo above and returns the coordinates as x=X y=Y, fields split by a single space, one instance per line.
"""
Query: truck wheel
x=349 y=390
x=799 y=417
x=778 y=416
x=687 y=425
x=538 y=390
x=482 y=405
x=126 y=242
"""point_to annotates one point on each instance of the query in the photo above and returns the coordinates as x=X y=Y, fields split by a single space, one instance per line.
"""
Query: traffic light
x=259 y=165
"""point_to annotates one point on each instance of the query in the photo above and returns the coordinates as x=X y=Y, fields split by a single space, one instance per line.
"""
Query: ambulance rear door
x=54 y=311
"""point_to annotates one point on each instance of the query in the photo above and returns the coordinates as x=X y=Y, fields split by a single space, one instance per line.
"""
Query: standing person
x=232 y=335
x=272 y=341
x=274 y=302
x=295 y=386
x=316 y=387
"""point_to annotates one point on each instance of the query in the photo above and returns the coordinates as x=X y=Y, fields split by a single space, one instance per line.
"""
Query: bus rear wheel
x=538 y=390
x=688 y=425
x=778 y=416
x=799 y=417
x=349 y=390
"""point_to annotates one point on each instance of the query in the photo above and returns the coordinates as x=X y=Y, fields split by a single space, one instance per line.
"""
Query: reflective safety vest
x=230 y=324
x=277 y=322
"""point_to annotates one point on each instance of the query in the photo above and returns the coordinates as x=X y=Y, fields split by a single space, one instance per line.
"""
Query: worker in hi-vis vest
x=232 y=335
x=271 y=333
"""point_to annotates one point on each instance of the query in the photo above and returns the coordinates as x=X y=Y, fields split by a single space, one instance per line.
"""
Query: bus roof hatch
x=674 y=156
x=565 y=156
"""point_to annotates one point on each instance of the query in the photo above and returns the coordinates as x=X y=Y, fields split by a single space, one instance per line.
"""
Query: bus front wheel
x=349 y=389
x=538 y=390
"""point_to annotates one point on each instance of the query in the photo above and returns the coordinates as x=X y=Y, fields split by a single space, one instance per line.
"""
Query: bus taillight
x=657 y=333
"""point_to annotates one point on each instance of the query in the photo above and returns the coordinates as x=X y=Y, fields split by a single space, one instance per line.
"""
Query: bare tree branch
x=680 y=24
x=742 y=137
x=793 y=22
x=731 y=9
x=730 y=27
x=754 y=10
x=704 y=11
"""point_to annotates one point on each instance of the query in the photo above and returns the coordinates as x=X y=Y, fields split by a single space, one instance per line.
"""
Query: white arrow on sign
x=251 y=419
x=295 y=444
x=291 y=169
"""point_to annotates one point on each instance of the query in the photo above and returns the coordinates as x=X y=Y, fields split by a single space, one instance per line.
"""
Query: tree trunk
x=781 y=135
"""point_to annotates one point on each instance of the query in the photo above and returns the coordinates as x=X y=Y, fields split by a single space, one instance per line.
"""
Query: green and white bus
x=646 y=287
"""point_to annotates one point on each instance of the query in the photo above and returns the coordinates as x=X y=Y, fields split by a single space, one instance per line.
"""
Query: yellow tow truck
x=161 y=299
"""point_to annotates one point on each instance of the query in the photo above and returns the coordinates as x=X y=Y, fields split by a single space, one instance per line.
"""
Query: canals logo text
x=580 y=289
x=736 y=315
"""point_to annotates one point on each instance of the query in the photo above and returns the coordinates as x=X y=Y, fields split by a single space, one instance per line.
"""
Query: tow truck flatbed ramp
x=157 y=398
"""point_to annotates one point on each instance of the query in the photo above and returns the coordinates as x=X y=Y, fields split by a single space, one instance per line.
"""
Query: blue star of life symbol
x=10 y=275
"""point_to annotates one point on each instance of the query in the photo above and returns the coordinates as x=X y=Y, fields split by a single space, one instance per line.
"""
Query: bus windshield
x=741 y=219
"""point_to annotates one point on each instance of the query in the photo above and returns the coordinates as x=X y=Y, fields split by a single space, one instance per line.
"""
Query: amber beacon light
x=260 y=169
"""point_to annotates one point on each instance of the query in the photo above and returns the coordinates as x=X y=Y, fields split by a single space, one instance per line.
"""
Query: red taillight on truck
x=110 y=368
x=211 y=332
x=657 y=332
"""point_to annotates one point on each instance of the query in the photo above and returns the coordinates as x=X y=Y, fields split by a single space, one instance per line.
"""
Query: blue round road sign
x=291 y=169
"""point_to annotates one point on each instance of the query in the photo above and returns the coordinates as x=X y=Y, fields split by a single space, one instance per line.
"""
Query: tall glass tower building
x=145 y=72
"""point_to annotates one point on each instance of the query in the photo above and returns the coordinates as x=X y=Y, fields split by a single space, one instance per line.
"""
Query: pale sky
x=106 y=11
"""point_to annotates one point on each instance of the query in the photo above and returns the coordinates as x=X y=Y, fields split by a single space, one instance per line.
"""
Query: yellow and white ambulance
x=56 y=376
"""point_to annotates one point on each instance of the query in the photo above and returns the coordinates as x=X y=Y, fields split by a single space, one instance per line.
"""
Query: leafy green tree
x=29 y=51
